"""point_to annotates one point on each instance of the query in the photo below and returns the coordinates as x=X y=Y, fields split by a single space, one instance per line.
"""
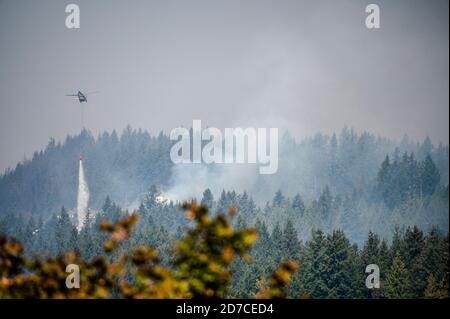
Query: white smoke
x=83 y=197
x=188 y=181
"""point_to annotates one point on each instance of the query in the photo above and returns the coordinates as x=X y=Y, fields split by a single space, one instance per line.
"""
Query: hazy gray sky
x=306 y=66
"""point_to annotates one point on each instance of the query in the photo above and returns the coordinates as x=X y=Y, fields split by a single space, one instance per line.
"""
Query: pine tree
x=383 y=259
x=276 y=240
x=73 y=240
x=383 y=179
x=63 y=232
x=445 y=262
x=370 y=254
x=222 y=205
x=262 y=244
x=107 y=205
x=142 y=211
x=398 y=284
x=279 y=199
x=438 y=282
x=86 y=238
x=396 y=246
x=430 y=176
x=427 y=263
x=290 y=243
x=240 y=223
x=30 y=237
x=339 y=268
x=244 y=285
x=334 y=161
x=312 y=275
x=324 y=206
x=298 y=205
x=150 y=198
x=426 y=148
x=412 y=245
x=435 y=290
x=208 y=198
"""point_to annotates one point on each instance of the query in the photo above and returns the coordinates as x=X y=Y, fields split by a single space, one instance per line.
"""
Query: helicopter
x=82 y=96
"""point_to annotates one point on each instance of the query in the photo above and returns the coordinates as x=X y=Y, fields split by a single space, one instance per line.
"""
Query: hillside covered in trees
x=180 y=264
x=355 y=182
x=335 y=205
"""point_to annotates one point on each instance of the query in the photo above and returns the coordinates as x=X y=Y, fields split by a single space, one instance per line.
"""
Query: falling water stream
x=83 y=197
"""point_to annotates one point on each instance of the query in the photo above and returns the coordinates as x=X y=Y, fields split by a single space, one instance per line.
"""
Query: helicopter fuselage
x=81 y=97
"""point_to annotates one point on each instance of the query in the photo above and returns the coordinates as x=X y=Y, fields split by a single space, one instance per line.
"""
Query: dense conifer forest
x=337 y=204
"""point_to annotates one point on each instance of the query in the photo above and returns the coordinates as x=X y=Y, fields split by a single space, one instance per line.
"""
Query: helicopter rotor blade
x=93 y=92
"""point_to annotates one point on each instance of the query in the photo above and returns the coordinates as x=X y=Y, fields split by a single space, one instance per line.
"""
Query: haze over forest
x=363 y=169
x=302 y=66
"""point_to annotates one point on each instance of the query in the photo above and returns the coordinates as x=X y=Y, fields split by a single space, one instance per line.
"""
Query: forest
x=337 y=204
x=413 y=265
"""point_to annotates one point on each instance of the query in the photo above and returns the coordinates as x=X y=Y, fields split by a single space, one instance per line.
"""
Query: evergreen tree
x=276 y=240
x=208 y=198
x=290 y=243
x=334 y=161
x=428 y=263
x=430 y=176
x=262 y=244
x=398 y=282
x=426 y=148
x=370 y=254
x=222 y=205
x=150 y=198
x=312 y=275
x=63 y=232
x=30 y=234
x=339 y=268
x=107 y=205
x=324 y=206
x=383 y=260
x=396 y=246
x=384 y=180
x=86 y=238
x=142 y=211
x=412 y=245
x=438 y=269
x=279 y=199
x=298 y=205
x=435 y=289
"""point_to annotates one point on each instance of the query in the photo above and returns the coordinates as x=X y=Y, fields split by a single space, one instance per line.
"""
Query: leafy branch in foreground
x=200 y=268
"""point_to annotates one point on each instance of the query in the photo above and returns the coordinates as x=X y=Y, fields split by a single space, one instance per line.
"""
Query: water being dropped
x=83 y=197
